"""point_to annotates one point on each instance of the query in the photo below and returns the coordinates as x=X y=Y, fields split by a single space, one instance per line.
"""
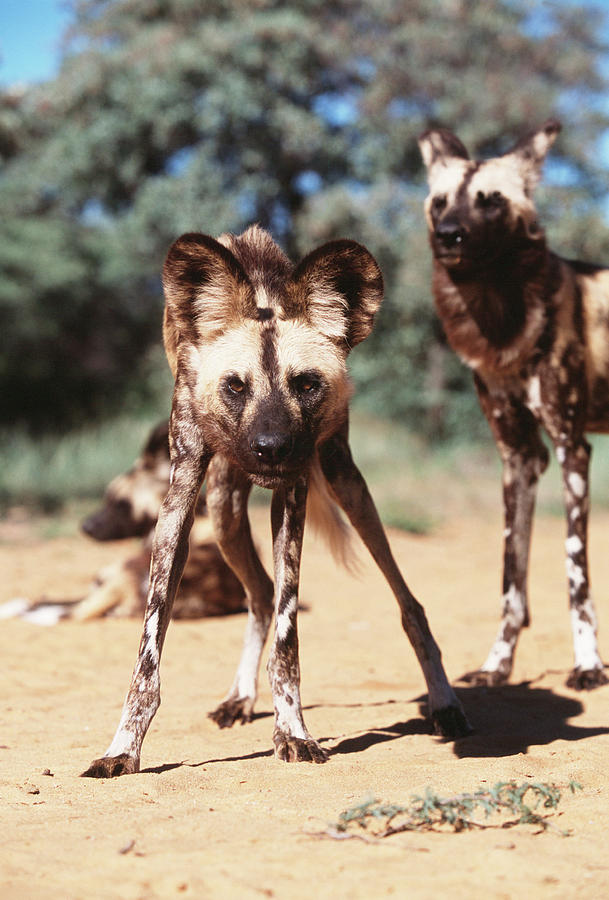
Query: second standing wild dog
x=535 y=330
x=258 y=349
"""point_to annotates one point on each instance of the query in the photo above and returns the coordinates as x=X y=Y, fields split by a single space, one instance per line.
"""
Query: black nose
x=272 y=446
x=99 y=526
x=449 y=234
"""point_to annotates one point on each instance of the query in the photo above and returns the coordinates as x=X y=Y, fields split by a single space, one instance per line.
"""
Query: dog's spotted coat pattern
x=534 y=329
x=258 y=350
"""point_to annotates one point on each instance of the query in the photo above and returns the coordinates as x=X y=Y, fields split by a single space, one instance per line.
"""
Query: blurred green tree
x=176 y=115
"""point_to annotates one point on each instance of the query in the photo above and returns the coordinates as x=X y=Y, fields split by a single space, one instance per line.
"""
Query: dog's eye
x=438 y=203
x=494 y=200
x=306 y=384
x=235 y=385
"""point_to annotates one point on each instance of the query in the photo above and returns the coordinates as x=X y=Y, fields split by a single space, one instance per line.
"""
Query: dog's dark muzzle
x=115 y=521
x=272 y=448
x=277 y=457
x=449 y=238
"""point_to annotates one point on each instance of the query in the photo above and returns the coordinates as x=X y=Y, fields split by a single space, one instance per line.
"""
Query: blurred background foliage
x=178 y=115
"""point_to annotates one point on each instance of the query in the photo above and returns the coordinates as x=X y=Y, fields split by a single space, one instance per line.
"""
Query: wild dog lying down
x=258 y=350
x=534 y=328
x=131 y=503
x=130 y=508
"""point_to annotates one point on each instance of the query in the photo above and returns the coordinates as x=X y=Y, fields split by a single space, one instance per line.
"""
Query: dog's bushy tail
x=328 y=521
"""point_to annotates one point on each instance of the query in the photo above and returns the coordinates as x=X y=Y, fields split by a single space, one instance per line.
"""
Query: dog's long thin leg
x=588 y=671
x=169 y=552
x=520 y=475
x=227 y=495
x=291 y=738
x=525 y=458
x=351 y=492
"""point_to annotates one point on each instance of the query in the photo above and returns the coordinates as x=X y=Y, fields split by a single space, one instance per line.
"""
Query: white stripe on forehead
x=446 y=179
x=237 y=352
x=502 y=175
x=263 y=299
x=299 y=348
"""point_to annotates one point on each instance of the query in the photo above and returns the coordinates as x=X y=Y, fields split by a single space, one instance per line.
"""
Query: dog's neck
x=494 y=316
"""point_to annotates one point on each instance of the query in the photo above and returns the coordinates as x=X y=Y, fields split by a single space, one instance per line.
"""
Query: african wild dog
x=534 y=328
x=132 y=500
x=130 y=508
x=258 y=350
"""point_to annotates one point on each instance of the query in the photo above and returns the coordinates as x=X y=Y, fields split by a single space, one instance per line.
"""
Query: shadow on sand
x=507 y=720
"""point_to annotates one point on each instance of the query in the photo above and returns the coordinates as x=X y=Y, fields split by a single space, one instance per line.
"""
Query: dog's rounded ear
x=530 y=152
x=205 y=286
x=338 y=288
x=438 y=147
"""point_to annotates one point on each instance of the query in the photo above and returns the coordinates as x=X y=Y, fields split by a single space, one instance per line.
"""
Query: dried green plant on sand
x=511 y=804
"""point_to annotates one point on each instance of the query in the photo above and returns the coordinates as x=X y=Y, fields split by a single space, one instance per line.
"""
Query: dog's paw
x=235 y=709
x=586 y=679
x=481 y=678
x=291 y=749
x=112 y=766
x=451 y=722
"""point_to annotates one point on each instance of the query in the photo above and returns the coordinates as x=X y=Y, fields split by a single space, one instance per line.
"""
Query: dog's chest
x=485 y=329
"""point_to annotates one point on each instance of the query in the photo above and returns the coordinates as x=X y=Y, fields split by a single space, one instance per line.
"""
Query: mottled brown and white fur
x=130 y=508
x=258 y=349
x=534 y=328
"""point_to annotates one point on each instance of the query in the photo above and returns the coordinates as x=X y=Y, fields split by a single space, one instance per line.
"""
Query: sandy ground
x=213 y=814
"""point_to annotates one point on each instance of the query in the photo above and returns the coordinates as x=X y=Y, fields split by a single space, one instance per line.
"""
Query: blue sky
x=30 y=33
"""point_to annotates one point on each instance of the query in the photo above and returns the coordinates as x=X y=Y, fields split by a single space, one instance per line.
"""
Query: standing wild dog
x=535 y=330
x=258 y=350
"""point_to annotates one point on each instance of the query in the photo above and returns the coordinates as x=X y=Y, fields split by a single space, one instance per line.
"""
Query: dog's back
x=592 y=284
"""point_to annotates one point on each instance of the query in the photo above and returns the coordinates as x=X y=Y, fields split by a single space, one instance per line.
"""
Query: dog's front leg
x=227 y=494
x=351 y=492
x=525 y=458
x=588 y=671
x=521 y=470
x=169 y=552
x=291 y=738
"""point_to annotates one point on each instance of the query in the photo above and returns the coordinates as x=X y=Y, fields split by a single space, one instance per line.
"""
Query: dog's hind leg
x=169 y=552
x=227 y=495
x=292 y=740
x=588 y=671
x=351 y=492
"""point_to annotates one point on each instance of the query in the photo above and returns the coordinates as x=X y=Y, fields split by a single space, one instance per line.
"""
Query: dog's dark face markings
x=493 y=275
x=258 y=351
x=477 y=210
x=263 y=354
x=132 y=500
